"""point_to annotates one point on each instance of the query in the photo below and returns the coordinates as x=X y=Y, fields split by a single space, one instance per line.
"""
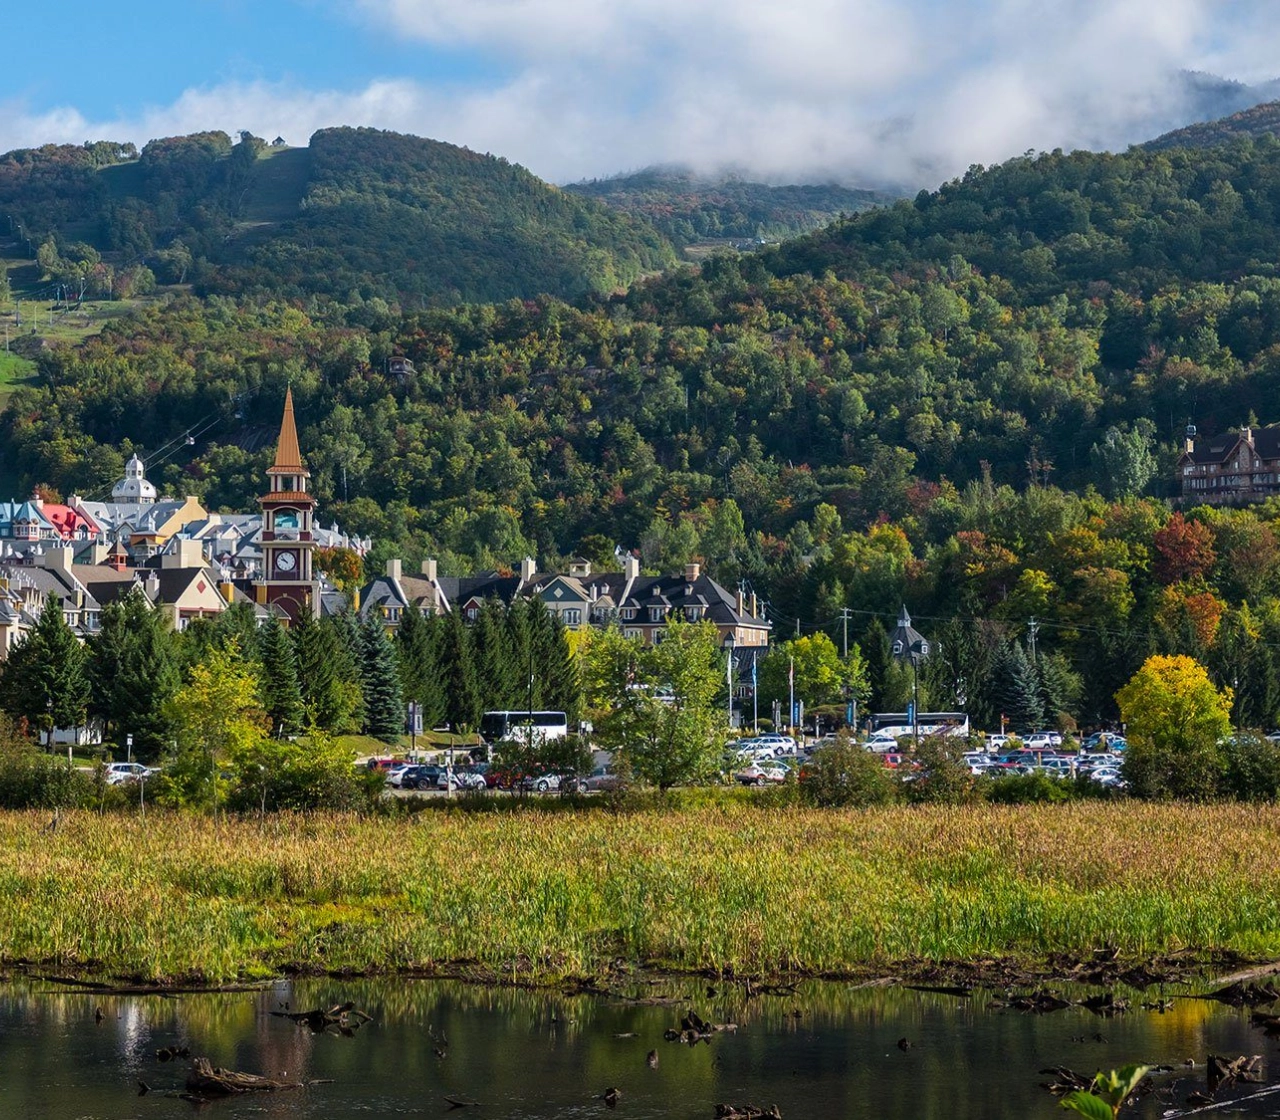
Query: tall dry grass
x=710 y=887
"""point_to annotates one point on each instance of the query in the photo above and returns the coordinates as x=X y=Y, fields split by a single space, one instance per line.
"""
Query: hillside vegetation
x=688 y=207
x=1256 y=121
x=358 y=214
x=970 y=402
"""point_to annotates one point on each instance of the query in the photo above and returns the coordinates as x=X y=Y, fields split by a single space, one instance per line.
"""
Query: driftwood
x=746 y=1112
x=342 y=1018
x=1241 y=994
x=1221 y=1071
x=1065 y=1081
x=1105 y=1005
x=208 y=1080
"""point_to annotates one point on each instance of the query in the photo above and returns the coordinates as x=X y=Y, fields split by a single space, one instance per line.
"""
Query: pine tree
x=1059 y=687
x=463 y=703
x=491 y=652
x=383 y=703
x=281 y=696
x=417 y=645
x=563 y=692
x=348 y=655
x=46 y=679
x=1018 y=687
x=315 y=654
x=134 y=673
x=520 y=655
x=879 y=658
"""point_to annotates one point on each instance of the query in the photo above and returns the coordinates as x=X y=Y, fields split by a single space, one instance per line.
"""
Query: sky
x=865 y=92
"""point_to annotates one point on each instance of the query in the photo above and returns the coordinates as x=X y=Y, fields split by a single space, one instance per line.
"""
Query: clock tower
x=287 y=537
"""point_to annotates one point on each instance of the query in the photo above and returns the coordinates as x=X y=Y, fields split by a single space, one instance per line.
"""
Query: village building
x=1235 y=468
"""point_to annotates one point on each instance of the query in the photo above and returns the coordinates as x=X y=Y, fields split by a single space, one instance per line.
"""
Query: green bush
x=1252 y=771
x=1030 y=789
x=845 y=774
x=943 y=777
x=32 y=779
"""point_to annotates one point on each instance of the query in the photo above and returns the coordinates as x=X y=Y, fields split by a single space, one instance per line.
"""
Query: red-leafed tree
x=1184 y=550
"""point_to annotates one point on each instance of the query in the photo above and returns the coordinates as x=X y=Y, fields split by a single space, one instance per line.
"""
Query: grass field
x=544 y=895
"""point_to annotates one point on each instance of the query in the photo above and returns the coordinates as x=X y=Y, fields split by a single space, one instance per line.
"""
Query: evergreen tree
x=383 y=703
x=520 y=655
x=1059 y=688
x=1018 y=688
x=879 y=659
x=463 y=703
x=133 y=673
x=315 y=655
x=349 y=661
x=564 y=687
x=417 y=640
x=45 y=678
x=491 y=652
x=281 y=696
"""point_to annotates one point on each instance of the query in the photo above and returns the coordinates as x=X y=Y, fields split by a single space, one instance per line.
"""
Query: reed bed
x=715 y=887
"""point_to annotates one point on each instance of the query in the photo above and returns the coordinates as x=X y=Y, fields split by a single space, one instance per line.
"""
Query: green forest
x=970 y=402
x=357 y=214
x=687 y=207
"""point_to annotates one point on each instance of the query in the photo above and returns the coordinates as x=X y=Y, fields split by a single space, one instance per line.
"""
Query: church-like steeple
x=288 y=453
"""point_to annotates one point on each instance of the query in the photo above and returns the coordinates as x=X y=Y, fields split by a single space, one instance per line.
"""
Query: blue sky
x=859 y=90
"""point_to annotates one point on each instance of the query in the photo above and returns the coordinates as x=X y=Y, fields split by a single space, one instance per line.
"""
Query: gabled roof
x=1266 y=442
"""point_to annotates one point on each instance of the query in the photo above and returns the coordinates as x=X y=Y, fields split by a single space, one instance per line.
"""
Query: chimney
x=227 y=590
x=57 y=558
x=1246 y=435
x=186 y=554
x=692 y=572
x=755 y=606
x=631 y=567
x=742 y=603
x=528 y=569
x=429 y=570
x=393 y=569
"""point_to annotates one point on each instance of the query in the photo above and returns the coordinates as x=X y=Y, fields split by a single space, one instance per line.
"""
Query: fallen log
x=209 y=1080
x=1220 y=1071
x=746 y=1112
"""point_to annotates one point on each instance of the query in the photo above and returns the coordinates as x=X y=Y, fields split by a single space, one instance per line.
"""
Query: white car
x=395 y=776
x=118 y=772
x=783 y=744
x=882 y=742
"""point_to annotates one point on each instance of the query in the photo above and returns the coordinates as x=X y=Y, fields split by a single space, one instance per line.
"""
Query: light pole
x=729 y=643
x=918 y=650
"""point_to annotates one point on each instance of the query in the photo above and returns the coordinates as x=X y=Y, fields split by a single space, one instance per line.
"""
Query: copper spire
x=288 y=454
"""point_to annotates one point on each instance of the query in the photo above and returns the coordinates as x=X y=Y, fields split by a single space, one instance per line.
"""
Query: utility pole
x=1032 y=627
x=844 y=617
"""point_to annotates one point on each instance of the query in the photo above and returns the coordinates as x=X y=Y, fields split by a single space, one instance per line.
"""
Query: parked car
x=882 y=742
x=541 y=783
x=118 y=772
x=602 y=778
x=776 y=741
x=997 y=743
x=383 y=764
x=761 y=774
x=395 y=774
x=462 y=778
x=421 y=777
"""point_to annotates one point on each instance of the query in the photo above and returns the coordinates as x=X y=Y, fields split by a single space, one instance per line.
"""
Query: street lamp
x=729 y=643
x=918 y=650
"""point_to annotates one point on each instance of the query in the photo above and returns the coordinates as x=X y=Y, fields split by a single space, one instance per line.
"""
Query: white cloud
x=864 y=90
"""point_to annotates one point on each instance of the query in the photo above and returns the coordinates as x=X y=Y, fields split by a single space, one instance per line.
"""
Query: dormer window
x=655 y=614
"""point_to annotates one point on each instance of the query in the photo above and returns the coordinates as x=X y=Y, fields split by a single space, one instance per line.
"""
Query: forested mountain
x=967 y=402
x=359 y=213
x=1256 y=121
x=688 y=207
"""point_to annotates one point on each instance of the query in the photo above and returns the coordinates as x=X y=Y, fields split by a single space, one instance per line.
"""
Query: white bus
x=893 y=725
x=541 y=727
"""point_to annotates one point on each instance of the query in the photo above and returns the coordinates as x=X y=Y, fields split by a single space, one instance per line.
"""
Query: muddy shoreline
x=1102 y=968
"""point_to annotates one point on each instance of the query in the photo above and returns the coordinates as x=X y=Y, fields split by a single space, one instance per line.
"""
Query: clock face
x=286 y=561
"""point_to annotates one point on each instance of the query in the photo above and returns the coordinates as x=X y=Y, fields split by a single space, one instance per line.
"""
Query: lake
x=829 y=1050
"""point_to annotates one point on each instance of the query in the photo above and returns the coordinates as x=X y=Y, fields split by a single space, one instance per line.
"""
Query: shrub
x=845 y=774
x=1028 y=789
x=1252 y=771
x=31 y=779
x=944 y=777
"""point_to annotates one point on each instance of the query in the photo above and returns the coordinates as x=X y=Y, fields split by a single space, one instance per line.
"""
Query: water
x=829 y=1051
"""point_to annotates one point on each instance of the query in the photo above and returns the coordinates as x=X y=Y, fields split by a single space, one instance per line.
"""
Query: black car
x=421 y=777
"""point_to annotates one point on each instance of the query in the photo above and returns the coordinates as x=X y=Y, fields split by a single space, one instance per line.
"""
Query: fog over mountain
x=869 y=93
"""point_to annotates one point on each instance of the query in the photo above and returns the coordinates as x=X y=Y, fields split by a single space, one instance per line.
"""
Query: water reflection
x=828 y=1050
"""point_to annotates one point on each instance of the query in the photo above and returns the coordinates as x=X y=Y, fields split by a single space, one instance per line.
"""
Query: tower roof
x=288 y=454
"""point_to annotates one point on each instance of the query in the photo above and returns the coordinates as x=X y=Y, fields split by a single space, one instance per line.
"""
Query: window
x=692 y=614
x=631 y=632
x=572 y=616
x=472 y=613
x=628 y=613
x=655 y=614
